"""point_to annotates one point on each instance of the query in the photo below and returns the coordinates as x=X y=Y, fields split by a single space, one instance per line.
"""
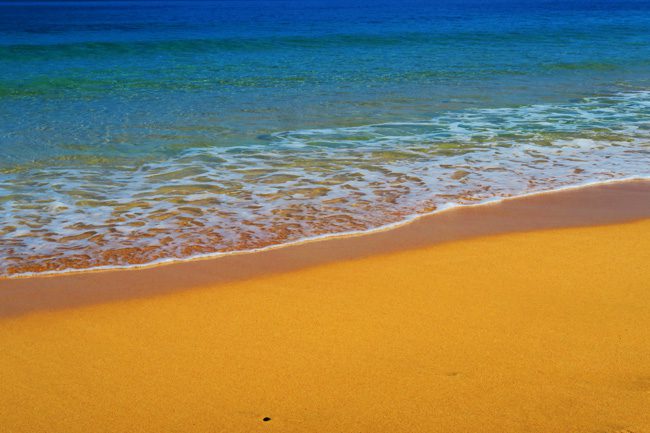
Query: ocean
x=133 y=132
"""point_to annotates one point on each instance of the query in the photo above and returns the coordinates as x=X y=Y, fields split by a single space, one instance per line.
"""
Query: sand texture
x=543 y=331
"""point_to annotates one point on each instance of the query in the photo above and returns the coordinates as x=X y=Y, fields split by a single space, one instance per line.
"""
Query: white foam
x=310 y=184
x=385 y=227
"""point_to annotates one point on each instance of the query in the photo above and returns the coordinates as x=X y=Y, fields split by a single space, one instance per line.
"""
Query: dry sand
x=540 y=331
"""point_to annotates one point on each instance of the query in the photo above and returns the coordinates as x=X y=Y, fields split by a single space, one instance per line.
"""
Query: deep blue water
x=177 y=128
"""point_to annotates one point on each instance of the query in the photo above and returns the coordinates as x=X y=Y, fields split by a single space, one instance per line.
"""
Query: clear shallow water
x=137 y=131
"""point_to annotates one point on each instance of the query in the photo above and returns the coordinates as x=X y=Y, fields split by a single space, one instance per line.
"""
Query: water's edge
x=354 y=233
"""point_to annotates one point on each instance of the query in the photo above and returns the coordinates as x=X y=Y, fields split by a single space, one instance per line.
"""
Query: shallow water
x=137 y=131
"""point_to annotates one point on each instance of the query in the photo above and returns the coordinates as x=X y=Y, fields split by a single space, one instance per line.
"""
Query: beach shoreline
x=324 y=217
x=533 y=318
x=324 y=237
x=593 y=204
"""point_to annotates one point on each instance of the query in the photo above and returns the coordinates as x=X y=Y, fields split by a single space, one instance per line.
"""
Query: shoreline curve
x=602 y=203
x=324 y=237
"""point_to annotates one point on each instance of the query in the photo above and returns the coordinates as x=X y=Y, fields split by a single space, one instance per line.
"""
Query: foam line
x=408 y=220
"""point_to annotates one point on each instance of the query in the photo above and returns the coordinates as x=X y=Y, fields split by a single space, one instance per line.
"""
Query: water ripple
x=305 y=183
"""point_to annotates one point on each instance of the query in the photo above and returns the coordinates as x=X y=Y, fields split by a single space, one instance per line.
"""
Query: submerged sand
x=535 y=331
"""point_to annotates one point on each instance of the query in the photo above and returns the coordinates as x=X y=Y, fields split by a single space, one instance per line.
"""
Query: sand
x=535 y=331
x=598 y=204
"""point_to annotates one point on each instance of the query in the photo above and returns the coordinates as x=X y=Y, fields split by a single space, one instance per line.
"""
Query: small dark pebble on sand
x=266 y=418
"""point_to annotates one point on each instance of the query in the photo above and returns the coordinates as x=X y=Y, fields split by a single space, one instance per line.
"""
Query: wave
x=385 y=227
x=308 y=183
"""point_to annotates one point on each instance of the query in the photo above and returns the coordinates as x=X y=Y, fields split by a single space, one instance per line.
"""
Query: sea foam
x=313 y=182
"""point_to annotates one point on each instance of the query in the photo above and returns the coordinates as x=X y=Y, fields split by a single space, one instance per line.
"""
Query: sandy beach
x=324 y=216
x=531 y=315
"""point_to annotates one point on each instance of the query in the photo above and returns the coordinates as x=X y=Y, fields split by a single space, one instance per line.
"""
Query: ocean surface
x=139 y=131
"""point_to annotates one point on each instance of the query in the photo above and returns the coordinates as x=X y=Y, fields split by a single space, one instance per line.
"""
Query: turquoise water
x=137 y=131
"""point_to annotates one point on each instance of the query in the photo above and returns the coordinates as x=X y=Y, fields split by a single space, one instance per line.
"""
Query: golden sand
x=544 y=331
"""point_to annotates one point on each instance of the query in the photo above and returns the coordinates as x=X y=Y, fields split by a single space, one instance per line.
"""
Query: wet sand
x=599 y=204
x=531 y=315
